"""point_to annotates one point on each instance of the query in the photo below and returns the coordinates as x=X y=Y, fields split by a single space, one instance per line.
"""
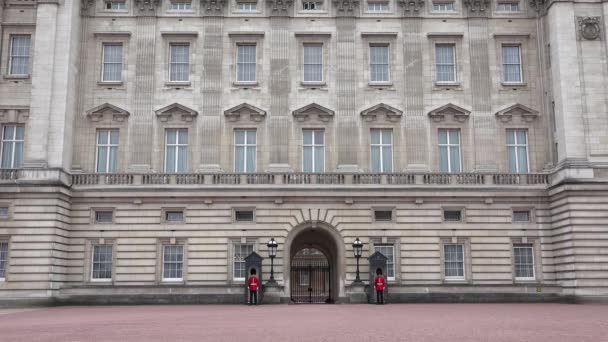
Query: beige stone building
x=148 y=146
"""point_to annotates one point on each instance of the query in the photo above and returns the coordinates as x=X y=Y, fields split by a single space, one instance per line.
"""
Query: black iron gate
x=310 y=278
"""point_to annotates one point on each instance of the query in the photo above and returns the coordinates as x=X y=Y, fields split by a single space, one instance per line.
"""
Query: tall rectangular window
x=11 y=152
x=246 y=63
x=389 y=252
x=112 y=62
x=381 y=150
x=101 y=262
x=524 y=261
x=19 y=59
x=379 y=63
x=245 y=145
x=179 y=62
x=3 y=259
x=313 y=63
x=313 y=150
x=107 y=150
x=449 y=150
x=454 y=261
x=241 y=251
x=445 y=62
x=176 y=150
x=173 y=262
x=517 y=150
x=511 y=64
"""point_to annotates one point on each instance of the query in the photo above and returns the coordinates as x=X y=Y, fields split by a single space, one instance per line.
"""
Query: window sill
x=380 y=84
x=180 y=84
x=313 y=84
x=455 y=280
x=17 y=77
x=101 y=281
x=172 y=282
x=246 y=84
x=514 y=84
x=447 y=84
x=525 y=280
x=110 y=83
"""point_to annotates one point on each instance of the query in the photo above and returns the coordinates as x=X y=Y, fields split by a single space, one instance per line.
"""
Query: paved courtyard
x=282 y=323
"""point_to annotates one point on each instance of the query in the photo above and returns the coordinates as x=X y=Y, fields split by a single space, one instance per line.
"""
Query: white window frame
x=393 y=261
x=304 y=46
x=378 y=7
x=13 y=143
x=180 y=5
x=449 y=148
x=234 y=259
x=255 y=63
x=382 y=146
x=11 y=55
x=4 y=261
x=387 y=46
x=246 y=147
x=93 y=279
x=171 y=80
x=443 y=7
x=524 y=246
x=516 y=146
x=111 y=2
x=445 y=261
x=317 y=4
x=521 y=68
x=507 y=6
x=164 y=262
x=103 y=61
x=454 y=64
x=313 y=146
x=176 y=146
x=247 y=6
x=108 y=146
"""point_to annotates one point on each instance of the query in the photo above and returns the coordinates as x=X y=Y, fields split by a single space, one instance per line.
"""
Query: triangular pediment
x=245 y=109
x=527 y=114
x=176 y=110
x=253 y=257
x=322 y=113
x=372 y=113
x=457 y=113
x=377 y=256
x=107 y=111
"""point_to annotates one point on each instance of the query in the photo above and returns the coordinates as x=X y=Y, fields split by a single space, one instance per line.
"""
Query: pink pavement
x=315 y=323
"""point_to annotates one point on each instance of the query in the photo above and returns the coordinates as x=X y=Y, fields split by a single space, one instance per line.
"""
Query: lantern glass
x=358 y=248
x=272 y=247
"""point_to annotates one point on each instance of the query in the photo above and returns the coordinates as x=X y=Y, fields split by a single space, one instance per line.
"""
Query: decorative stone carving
x=527 y=114
x=537 y=4
x=213 y=7
x=390 y=113
x=304 y=113
x=14 y=114
x=346 y=7
x=147 y=6
x=589 y=28
x=85 y=6
x=255 y=114
x=279 y=7
x=108 y=112
x=458 y=114
x=477 y=6
x=411 y=7
x=174 y=110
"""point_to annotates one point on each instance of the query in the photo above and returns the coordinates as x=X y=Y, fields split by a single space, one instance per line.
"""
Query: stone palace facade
x=148 y=146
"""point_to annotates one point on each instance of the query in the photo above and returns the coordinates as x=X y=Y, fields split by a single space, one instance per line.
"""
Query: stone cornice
x=255 y=114
x=458 y=114
x=323 y=114
x=173 y=110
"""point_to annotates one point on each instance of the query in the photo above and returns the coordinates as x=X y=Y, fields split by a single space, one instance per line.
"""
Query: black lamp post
x=272 y=253
x=358 y=250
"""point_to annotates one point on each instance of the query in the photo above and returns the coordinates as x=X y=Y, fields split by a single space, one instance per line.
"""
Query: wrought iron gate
x=310 y=278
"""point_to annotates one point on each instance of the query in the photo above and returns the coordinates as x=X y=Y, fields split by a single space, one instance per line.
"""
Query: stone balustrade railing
x=469 y=179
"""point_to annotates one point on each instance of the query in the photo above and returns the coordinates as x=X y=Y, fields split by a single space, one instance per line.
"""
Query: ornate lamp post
x=358 y=250
x=272 y=253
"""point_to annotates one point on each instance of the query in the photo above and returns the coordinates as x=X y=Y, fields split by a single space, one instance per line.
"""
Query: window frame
x=444 y=3
x=92 y=262
x=454 y=63
x=445 y=261
x=449 y=146
x=246 y=147
x=109 y=145
x=7 y=241
x=392 y=245
x=371 y=6
x=104 y=44
x=13 y=142
x=516 y=146
x=503 y=64
x=177 y=146
x=94 y=212
x=386 y=45
x=233 y=259
x=250 y=9
x=170 y=63
x=105 y=8
x=180 y=2
x=522 y=245
x=10 y=56
x=253 y=218
x=163 y=262
x=255 y=63
x=313 y=146
x=381 y=146
x=315 y=44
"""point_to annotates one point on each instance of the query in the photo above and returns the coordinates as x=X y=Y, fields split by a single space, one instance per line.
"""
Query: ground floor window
x=173 y=262
x=523 y=255
x=241 y=251
x=3 y=258
x=454 y=261
x=389 y=252
x=102 y=263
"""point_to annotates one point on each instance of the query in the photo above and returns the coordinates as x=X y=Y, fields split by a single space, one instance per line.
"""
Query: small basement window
x=521 y=215
x=174 y=216
x=452 y=215
x=104 y=216
x=243 y=215
x=383 y=215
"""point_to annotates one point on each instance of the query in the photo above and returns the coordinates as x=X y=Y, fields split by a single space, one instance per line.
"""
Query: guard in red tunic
x=379 y=284
x=253 y=283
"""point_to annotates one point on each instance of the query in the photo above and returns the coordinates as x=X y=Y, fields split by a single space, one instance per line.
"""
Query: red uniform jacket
x=253 y=283
x=379 y=283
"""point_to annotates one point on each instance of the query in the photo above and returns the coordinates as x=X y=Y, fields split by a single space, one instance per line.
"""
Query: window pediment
x=527 y=114
x=322 y=113
x=176 y=110
x=390 y=113
x=16 y=114
x=245 y=109
x=107 y=111
x=457 y=113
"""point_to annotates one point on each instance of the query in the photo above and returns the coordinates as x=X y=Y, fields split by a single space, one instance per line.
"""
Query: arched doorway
x=314 y=254
x=310 y=277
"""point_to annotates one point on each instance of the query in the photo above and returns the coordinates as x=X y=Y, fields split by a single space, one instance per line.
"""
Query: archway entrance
x=310 y=277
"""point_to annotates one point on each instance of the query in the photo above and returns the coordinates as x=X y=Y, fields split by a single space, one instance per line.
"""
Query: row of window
x=311 y=5
x=454 y=258
x=245 y=150
x=312 y=63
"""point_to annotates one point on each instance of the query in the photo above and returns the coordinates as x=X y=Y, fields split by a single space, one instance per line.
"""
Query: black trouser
x=380 y=296
x=253 y=297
